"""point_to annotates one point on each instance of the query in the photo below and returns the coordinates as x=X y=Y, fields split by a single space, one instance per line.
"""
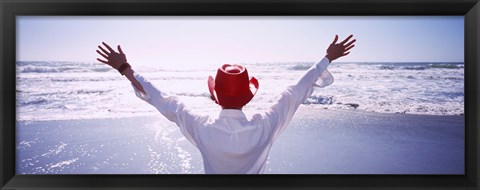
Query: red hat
x=231 y=87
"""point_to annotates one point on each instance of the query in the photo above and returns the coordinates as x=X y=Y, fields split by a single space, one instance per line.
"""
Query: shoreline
x=302 y=108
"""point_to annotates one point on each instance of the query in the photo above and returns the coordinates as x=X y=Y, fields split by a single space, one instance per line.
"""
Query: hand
x=113 y=58
x=341 y=49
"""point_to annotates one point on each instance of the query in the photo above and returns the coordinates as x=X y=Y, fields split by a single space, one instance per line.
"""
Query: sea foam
x=68 y=90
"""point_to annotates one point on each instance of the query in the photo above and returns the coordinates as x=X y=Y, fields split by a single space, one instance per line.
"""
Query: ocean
x=376 y=118
x=74 y=90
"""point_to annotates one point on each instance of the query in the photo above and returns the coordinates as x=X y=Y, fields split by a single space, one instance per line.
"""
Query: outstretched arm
x=116 y=60
x=168 y=105
x=283 y=110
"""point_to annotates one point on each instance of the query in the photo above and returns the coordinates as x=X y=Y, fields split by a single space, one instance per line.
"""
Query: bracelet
x=123 y=67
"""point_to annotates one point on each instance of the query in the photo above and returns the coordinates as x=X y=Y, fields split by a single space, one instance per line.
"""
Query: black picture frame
x=9 y=9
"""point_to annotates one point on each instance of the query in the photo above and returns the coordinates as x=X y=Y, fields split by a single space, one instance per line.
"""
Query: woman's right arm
x=116 y=60
x=129 y=74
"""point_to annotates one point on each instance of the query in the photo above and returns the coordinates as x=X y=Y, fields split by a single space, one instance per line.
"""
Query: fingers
x=335 y=39
x=346 y=39
x=103 y=50
x=103 y=55
x=348 y=48
x=106 y=62
x=120 y=49
x=108 y=47
x=350 y=43
x=346 y=53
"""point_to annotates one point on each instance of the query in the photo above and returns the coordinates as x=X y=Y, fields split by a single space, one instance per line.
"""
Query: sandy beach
x=317 y=141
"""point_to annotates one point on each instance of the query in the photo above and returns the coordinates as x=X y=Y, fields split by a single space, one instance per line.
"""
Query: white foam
x=387 y=88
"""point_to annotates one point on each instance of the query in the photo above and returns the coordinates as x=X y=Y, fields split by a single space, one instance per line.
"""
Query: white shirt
x=231 y=143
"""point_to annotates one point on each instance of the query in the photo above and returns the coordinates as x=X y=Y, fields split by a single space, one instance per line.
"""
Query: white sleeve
x=280 y=114
x=171 y=108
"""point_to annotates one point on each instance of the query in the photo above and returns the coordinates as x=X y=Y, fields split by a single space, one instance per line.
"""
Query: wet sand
x=317 y=141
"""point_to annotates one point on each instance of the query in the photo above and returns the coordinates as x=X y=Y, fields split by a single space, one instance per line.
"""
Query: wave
x=58 y=67
x=402 y=66
x=104 y=69
x=447 y=66
x=300 y=66
x=88 y=92
x=193 y=94
x=39 y=101
x=80 y=79
x=37 y=69
x=397 y=67
x=44 y=69
x=387 y=67
x=415 y=67
x=323 y=100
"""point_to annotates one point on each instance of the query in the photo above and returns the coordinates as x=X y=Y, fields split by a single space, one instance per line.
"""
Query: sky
x=240 y=39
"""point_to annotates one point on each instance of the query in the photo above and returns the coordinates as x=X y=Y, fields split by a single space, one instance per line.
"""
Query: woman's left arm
x=166 y=104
